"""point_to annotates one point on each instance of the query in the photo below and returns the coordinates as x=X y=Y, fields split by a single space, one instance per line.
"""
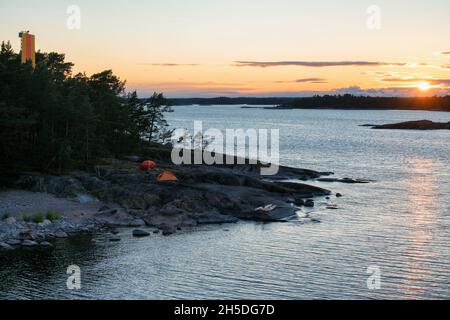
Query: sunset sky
x=208 y=48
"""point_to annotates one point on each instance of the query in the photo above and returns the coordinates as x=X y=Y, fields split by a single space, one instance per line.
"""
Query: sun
x=424 y=86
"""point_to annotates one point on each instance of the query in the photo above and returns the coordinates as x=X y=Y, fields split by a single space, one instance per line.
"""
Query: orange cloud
x=316 y=64
x=308 y=80
x=431 y=81
x=171 y=64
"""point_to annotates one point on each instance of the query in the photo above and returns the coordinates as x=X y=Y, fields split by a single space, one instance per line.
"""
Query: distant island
x=414 y=125
x=231 y=101
x=352 y=102
x=346 y=101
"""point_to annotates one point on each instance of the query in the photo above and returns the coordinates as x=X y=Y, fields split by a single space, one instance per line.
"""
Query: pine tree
x=157 y=128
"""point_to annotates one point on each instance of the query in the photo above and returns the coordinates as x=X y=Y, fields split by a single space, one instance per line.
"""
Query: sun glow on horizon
x=424 y=86
x=211 y=48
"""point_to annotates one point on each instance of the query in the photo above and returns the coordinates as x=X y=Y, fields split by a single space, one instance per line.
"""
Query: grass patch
x=5 y=215
x=52 y=216
x=24 y=217
x=38 y=218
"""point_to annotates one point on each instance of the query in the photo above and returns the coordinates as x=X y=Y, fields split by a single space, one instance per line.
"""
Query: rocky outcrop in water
x=416 y=125
x=118 y=194
x=345 y=180
x=203 y=194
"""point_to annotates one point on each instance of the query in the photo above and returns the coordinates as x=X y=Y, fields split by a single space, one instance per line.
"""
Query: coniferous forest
x=54 y=120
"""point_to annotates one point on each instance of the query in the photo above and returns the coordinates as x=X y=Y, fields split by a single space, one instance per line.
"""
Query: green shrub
x=25 y=217
x=5 y=215
x=38 y=218
x=52 y=216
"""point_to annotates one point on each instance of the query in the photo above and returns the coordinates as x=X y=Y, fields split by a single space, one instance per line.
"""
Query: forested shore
x=351 y=102
x=345 y=101
x=54 y=120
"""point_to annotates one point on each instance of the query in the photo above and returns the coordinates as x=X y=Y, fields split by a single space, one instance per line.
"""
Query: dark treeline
x=53 y=120
x=348 y=101
x=230 y=101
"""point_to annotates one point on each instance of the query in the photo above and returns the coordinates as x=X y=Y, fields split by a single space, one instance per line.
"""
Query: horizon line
x=312 y=96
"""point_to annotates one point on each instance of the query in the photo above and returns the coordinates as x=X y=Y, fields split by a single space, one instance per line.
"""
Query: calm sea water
x=399 y=224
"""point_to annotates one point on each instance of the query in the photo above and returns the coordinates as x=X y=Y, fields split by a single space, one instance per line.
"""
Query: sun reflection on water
x=421 y=185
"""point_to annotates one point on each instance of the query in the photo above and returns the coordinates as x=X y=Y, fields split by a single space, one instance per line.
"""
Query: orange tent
x=147 y=165
x=166 y=176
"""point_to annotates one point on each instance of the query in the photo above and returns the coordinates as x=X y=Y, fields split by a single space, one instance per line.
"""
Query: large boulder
x=116 y=217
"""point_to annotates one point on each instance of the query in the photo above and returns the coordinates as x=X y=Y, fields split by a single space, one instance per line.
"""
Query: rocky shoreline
x=118 y=194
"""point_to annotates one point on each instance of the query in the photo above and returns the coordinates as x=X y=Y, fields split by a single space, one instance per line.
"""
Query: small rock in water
x=167 y=232
x=299 y=202
x=343 y=180
x=29 y=243
x=140 y=233
x=338 y=195
x=61 y=234
x=332 y=207
x=115 y=239
x=137 y=223
x=156 y=231
x=115 y=232
x=309 y=203
x=167 y=229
